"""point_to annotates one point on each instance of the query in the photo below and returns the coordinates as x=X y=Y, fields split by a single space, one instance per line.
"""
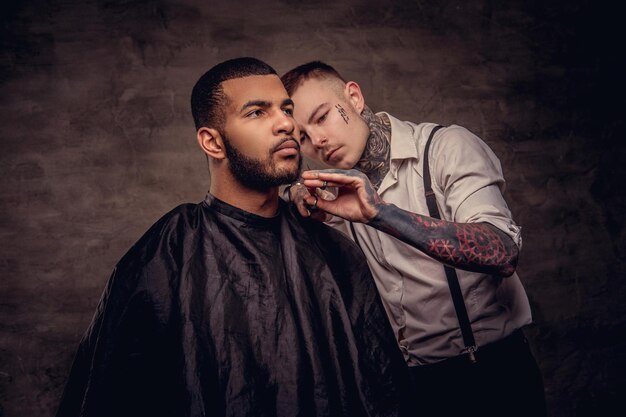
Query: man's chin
x=289 y=167
x=289 y=176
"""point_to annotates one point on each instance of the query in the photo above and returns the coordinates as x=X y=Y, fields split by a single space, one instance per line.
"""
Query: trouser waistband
x=515 y=340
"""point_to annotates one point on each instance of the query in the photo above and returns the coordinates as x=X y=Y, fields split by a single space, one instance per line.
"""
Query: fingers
x=317 y=204
x=312 y=201
x=315 y=213
x=325 y=194
x=331 y=178
x=313 y=207
x=323 y=173
x=337 y=180
x=302 y=209
x=298 y=194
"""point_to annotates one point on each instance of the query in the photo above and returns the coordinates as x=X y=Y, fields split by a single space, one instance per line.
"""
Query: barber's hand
x=298 y=194
x=356 y=201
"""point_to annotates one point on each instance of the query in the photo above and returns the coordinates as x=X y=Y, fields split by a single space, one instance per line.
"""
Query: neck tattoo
x=375 y=159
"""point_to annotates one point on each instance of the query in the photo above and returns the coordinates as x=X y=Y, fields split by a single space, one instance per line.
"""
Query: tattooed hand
x=356 y=201
x=298 y=194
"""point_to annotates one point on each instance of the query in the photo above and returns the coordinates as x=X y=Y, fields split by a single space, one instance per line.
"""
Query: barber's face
x=260 y=135
x=332 y=130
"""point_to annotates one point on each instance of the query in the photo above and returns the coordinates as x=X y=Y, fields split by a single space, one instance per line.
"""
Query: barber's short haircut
x=208 y=98
x=315 y=69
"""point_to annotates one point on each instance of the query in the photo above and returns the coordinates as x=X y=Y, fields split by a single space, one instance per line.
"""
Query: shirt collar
x=402 y=148
x=402 y=140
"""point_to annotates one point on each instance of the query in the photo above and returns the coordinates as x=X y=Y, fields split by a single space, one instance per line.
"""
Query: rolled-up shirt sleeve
x=470 y=178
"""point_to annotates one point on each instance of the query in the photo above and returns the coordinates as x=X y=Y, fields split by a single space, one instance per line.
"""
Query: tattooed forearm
x=478 y=247
x=375 y=159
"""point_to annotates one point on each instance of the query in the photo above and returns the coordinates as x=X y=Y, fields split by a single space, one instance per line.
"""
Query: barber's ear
x=211 y=142
x=355 y=96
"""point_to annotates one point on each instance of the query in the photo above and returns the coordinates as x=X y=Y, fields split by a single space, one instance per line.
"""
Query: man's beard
x=259 y=174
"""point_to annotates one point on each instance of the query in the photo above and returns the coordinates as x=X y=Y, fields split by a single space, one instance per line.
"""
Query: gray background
x=97 y=143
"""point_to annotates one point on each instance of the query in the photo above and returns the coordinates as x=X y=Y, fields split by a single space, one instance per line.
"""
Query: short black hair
x=207 y=96
x=314 y=69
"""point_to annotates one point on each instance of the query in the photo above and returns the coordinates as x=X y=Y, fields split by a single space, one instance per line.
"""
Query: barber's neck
x=374 y=161
x=262 y=203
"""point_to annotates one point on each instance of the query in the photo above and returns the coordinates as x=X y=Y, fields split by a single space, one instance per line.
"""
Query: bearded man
x=236 y=306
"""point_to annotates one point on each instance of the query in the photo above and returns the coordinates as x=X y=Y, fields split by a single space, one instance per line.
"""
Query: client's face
x=260 y=135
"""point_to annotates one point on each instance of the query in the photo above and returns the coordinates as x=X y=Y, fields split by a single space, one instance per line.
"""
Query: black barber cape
x=219 y=312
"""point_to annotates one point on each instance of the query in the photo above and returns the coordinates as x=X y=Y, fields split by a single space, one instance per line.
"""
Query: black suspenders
x=453 y=281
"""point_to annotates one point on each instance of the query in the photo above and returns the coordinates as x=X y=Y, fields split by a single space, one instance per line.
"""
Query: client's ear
x=211 y=142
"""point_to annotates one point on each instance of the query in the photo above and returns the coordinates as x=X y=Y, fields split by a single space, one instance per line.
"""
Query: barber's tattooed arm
x=478 y=247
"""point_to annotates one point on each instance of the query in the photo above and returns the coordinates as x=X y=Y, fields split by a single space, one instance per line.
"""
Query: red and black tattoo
x=478 y=247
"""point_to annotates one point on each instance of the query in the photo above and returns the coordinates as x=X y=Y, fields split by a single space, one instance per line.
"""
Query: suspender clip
x=471 y=355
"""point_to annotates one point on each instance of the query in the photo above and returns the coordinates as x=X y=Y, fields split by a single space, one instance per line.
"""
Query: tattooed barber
x=466 y=356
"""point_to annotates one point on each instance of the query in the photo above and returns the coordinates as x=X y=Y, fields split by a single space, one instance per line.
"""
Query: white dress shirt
x=467 y=181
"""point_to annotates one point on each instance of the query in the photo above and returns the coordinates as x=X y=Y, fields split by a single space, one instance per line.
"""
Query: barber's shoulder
x=457 y=139
x=422 y=130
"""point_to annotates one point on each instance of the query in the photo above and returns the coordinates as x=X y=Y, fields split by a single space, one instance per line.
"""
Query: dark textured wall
x=97 y=142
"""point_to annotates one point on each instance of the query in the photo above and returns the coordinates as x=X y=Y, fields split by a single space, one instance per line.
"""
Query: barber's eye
x=288 y=112
x=322 y=118
x=255 y=113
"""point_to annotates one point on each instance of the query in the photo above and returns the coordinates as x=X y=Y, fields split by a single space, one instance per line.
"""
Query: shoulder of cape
x=171 y=227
